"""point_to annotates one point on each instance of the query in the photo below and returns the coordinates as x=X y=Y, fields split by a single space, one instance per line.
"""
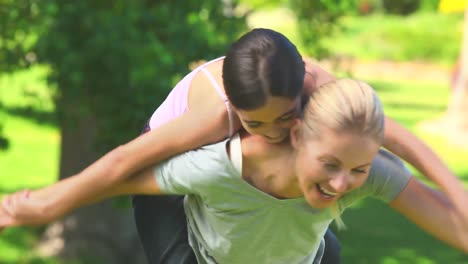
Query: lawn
x=376 y=234
x=32 y=158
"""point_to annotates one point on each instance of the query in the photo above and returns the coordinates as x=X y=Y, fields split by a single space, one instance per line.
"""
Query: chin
x=275 y=140
x=318 y=202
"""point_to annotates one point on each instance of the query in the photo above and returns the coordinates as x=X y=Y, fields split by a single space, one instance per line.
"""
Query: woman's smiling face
x=273 y=120
x=332 y=165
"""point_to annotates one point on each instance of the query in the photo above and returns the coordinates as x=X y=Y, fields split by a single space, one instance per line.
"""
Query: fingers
x=9 y=214
x=5 y=218
x=11 y=202
x=10 y=209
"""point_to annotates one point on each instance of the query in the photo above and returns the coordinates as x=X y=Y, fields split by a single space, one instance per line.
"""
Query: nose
x=339 y=182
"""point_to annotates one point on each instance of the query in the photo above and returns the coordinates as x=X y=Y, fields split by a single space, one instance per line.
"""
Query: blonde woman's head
x=337 y=139
x=345 y=105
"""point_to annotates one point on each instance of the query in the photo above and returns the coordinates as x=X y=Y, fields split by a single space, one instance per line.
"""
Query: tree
x=111 y=64
x=319 y=19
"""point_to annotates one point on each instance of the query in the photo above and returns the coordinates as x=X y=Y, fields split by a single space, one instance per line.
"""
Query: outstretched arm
x=407 y=146
x=41 y=206
x=433 y=212
x=177 y=136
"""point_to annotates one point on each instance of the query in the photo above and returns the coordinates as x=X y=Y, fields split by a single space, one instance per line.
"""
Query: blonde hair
x=344 y=105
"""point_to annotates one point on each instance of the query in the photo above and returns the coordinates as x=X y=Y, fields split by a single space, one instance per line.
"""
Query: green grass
x=375 y=233
x=32 y=158
x=378 y=235
x=410 y=103
x=15 y=244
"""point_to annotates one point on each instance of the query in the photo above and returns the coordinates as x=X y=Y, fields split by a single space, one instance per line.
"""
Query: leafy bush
x=422 y=36
x=108 y=56
x=400 y=7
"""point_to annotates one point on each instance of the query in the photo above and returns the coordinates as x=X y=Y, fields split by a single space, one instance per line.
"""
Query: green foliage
x=261 y=4
x=406 y=7
x=117 y=60
x=20 y=20
x=400 y=7
x=429 y=5
x=422 y=36
x=4 y=143
x=317 y=19
x=402 y=38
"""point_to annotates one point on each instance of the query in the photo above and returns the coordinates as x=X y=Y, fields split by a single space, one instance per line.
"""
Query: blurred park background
x=78 y=78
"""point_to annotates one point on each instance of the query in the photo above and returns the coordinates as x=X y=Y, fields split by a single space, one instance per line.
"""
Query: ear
x=296 y=133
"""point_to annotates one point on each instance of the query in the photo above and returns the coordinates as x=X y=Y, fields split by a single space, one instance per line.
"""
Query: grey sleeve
x=190 y=172
x=388 y=176
x=172 y=176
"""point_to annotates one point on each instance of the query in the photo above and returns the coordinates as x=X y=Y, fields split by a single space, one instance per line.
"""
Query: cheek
x=360 y=181
x=288 y=124
x=307 y=172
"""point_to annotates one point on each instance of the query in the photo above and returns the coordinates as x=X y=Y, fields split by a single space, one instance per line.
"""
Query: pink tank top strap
x=223 y=96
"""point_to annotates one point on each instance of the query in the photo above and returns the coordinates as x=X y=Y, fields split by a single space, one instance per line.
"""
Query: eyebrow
x=291 y=111
x=328 y=157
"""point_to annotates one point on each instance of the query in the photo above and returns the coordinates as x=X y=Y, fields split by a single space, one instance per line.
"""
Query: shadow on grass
x=378 y=235
x=16 y=244
x=30 y=113
x=383 y=86
x=464 y=176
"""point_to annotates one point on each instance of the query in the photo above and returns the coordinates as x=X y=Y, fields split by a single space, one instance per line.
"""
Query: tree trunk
x=457 y=113
x=101 y=233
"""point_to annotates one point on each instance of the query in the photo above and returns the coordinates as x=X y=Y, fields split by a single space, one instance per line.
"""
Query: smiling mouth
x=325 y=192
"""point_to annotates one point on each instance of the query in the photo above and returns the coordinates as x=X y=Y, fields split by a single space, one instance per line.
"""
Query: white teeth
x=326 y=191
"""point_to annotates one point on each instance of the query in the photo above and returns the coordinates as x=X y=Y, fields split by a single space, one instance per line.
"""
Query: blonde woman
x=249 y=201
x=257 y=87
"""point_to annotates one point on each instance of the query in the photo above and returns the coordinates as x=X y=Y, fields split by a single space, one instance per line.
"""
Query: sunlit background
x=100 y=68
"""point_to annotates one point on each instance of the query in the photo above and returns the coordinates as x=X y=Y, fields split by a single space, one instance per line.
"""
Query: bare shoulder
x=202 y=92
x=204 y=98
x=316 y=76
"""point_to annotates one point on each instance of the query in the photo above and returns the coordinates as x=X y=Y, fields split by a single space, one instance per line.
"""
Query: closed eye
x=359 y=171
x=285 y=120
x=253 y=124
x=331 y=167
x=289 y=116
